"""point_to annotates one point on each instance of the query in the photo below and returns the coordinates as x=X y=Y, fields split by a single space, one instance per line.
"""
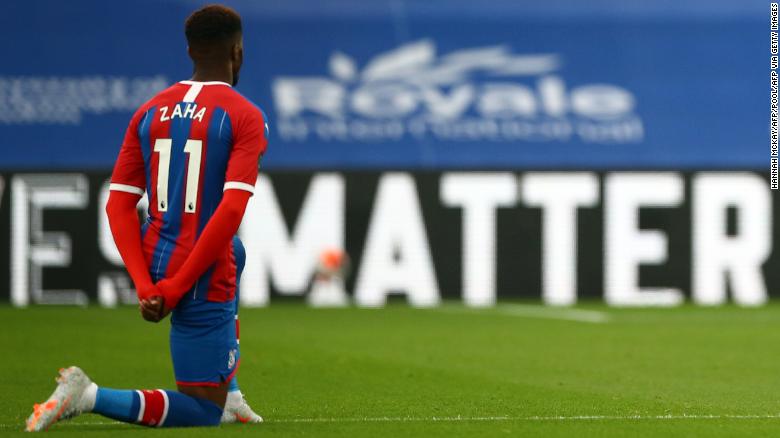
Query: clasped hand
x=153 y=308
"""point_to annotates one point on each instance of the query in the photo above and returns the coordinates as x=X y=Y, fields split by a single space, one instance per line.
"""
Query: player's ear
x=238 y=53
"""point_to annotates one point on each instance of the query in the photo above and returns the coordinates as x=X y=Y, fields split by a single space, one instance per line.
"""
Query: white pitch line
x=534 y=311
x=532 y=418
x=580 y=315
x=560 y=418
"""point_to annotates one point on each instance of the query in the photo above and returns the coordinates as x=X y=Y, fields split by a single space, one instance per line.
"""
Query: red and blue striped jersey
x=185 y=147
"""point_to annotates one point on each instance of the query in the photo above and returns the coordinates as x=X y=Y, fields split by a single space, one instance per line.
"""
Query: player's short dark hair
x=212 y=24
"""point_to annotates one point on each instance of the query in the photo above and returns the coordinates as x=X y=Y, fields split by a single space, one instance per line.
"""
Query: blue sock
x=233 y=385
x=122 y=405
x=156 y=408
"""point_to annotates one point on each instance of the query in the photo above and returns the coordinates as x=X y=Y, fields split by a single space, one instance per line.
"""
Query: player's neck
x=213 y=75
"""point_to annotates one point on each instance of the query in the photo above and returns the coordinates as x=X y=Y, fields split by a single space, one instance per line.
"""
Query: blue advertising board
x=403 y=84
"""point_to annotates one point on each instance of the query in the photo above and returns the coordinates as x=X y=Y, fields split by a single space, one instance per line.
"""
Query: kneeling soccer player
x=194 y=148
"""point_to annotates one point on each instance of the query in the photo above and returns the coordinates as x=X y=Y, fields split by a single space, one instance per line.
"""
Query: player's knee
x=187 y=409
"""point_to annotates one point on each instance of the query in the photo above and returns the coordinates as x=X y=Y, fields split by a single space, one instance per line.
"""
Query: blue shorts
x=204 y=343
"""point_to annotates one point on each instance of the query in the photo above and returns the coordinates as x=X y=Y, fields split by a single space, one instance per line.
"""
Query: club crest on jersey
x=232 y=359
x=187 y=113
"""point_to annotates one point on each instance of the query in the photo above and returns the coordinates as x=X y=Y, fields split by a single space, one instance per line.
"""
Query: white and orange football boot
x=237 y=410
x=67 y=401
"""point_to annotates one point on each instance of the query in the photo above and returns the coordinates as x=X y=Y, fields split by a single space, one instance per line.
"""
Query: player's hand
x=154 y=309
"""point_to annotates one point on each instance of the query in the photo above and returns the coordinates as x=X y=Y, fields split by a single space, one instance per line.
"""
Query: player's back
x=196 y=139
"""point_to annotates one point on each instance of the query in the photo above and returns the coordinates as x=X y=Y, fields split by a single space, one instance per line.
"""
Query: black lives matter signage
x=628 y=238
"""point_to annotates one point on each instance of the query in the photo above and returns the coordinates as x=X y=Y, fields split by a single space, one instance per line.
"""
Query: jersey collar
x=205 y=83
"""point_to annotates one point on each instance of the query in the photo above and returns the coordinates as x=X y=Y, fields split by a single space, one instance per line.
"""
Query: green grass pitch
x=513 y=370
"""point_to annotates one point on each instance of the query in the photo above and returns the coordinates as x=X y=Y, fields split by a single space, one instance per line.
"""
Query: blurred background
x=419 y=151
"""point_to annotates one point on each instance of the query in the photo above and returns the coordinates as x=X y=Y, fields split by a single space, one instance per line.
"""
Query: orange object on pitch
x=332 y=259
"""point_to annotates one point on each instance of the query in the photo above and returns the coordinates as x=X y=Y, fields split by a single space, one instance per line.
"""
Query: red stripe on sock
x=155 y=406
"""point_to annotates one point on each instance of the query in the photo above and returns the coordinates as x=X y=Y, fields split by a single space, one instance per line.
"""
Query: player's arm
x=217 y=234
x=249 y=144
x=128 y=182
x=126 y=228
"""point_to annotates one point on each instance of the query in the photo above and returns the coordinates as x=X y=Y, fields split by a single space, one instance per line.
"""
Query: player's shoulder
x=243 y=106
x=243 y=113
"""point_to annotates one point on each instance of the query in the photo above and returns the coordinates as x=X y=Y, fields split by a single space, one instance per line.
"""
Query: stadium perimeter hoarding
x=538 y=107
x=631 y=238
x=394 y=84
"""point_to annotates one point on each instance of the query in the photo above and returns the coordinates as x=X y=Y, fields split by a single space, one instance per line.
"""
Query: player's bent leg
x=77 y=394
x=204 y=349
x=237 y=409
x=156 y=408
